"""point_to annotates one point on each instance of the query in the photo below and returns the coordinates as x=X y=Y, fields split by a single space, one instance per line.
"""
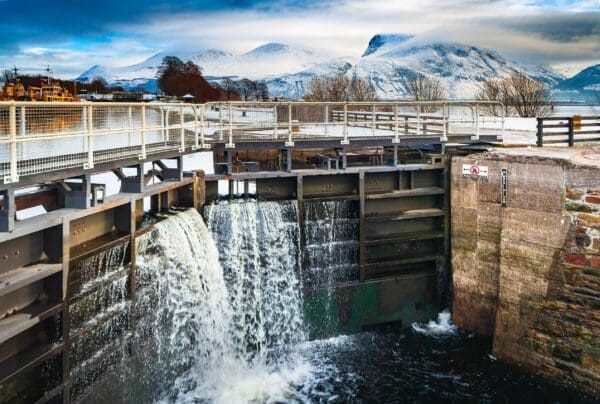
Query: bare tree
x=361 y=89
x=529 y=97
x=229 y=89
x=8 y=76
x=424 y=88
x=339 y=88
x=520 y=94
x=495 y=90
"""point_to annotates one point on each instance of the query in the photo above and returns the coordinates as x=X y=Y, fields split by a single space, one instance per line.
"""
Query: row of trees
x=97 y=85
x=520 y=94
x=244 y=89
x=178 y=78
x=340 y=88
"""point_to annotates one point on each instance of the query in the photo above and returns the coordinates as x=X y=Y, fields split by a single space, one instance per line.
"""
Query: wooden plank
x=26 y=318
x=408 y=193
x=27 y=360
x=409 y=214
x=21 y=277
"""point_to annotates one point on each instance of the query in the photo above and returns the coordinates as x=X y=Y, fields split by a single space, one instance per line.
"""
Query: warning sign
x=576 y=122
x=474 y=171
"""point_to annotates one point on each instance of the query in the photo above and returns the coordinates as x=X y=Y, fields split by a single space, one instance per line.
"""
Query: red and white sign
x=473 y=170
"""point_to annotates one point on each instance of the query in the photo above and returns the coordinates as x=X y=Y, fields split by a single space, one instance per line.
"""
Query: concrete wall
x=529 y=273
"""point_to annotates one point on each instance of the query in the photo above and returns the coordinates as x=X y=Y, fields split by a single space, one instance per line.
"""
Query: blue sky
x=73 y=35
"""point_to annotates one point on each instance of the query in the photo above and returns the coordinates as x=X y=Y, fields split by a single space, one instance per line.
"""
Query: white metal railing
x=37 y=137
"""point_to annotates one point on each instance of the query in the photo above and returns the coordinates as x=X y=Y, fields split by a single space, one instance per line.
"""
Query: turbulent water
x=219 y=320
x=258 y=244
x=221 y=329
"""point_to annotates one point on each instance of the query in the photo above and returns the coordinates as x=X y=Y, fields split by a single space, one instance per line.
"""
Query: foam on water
x=443 y=326
x=223 y=326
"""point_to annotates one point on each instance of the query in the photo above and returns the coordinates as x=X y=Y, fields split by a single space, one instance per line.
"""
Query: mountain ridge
x=388 y=61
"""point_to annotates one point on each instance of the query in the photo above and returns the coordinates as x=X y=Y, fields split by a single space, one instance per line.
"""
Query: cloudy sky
x=72 y=35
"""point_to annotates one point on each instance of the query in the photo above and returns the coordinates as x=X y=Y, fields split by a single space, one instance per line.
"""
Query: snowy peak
x=584 y=86
x=272 y=49
x=382 y=41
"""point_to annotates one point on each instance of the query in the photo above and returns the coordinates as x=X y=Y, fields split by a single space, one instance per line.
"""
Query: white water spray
x=221 y=332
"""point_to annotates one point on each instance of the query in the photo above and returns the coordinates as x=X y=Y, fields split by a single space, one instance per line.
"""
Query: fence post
x=326 y=120
x=230 y=144
x=90 y=137
x=130 y=116
x=181 y=130
x=477 y=121
x=540 y=132
x=396 y=125
x=571 y=133
x=444 y=124
x=276 y=124
x=14 y=173
x=418 y=119
x=373 y=119
x=290 y=141
x=142 y=156
x=345 y=140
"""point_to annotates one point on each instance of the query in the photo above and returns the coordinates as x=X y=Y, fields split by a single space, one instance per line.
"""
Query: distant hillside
x=584 y=86
x=388 y=61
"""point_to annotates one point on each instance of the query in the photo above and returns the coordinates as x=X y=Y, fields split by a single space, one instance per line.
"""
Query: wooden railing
x=556 y=130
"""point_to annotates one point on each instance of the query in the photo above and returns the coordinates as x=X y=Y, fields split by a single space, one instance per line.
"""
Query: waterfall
x=182 y=308
x=258 y=244
x=331 y=250
x=216 y=327
x=99 y=317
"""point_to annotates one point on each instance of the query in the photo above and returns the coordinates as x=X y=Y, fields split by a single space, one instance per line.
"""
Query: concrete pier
x=526 y=258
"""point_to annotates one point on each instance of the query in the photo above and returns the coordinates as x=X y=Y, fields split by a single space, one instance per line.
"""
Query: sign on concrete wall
x=504 y=187
x=474 y=171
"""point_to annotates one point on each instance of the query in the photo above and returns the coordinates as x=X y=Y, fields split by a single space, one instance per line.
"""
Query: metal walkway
x=40 y=138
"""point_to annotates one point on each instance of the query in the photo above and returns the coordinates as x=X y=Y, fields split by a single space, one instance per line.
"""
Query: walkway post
x=290 y=141
x=142 y=156
x=230 y=144
x=14 y=173
x=90 y=137
x=345 y=140
x=181 y=130
x=477 y=121
x=444 y=124
x=373 y=119
x=396 y=125
x=275 y=126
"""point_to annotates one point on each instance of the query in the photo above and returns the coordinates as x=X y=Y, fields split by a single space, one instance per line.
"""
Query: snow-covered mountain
x=391 y=60
x=584 y=86
x=268 y=60
x=388 y=61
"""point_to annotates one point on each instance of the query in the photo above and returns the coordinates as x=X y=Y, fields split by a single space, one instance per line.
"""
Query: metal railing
x=38 y=137
x=555 y=130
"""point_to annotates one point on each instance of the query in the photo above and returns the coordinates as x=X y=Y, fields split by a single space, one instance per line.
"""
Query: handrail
x=50 y=136
x=556 y=130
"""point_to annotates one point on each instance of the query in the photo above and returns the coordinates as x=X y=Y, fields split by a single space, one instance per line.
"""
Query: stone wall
x=529 y=273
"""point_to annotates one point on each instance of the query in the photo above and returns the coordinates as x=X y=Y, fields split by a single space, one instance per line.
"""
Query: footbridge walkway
x=39 y=141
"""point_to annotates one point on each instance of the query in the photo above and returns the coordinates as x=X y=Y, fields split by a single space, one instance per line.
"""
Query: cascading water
x=208 y=328
x=330 y=256
x=258 y=242
x=99 y=317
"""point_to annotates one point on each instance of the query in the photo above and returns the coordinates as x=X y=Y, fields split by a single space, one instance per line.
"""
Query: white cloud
x=343 y=29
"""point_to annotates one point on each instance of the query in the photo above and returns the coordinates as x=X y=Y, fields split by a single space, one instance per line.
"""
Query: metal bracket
x=87 y=166
x=10 y=180
x=345 y=142
x=289 y=144
x=181 y=149
x=394 y=141
x=229 y=145
x=206 y=146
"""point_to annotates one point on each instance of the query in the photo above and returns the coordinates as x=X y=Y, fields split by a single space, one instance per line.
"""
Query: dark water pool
x=411 y=367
